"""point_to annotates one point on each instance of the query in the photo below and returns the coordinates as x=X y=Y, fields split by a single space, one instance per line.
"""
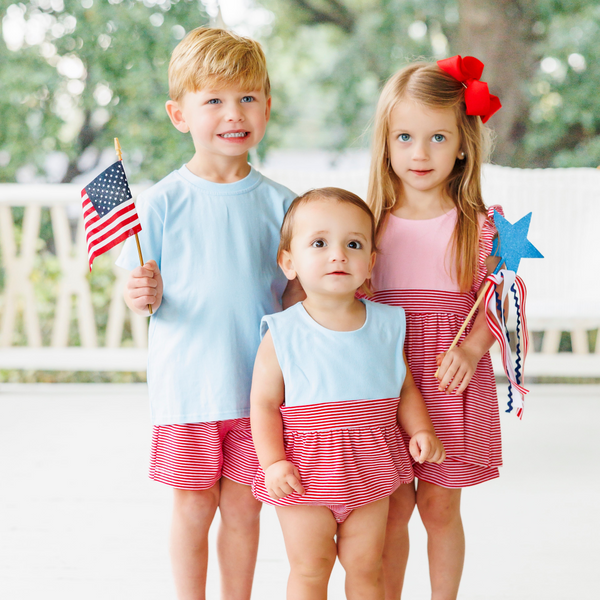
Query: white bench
x=564 y=295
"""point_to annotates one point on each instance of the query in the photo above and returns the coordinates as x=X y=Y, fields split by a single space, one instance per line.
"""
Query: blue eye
x=247 y=99
x=404 y=137
x=318 y=244
x=438 y=137
x=354 y=245
x=214 y=101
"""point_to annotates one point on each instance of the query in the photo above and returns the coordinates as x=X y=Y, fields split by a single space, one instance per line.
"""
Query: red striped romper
x=348 y=452
x=412 y=272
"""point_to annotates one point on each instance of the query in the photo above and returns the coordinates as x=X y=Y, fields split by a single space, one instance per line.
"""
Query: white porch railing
x=562 y=295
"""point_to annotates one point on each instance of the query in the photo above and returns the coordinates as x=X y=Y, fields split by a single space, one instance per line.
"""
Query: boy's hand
x=144 y=287
x=283 y=478
x=425 y=446
x=456 y=368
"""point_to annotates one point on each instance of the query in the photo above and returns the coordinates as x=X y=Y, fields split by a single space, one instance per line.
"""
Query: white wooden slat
x=118 y=311
x=42 y=194
x=18 y=287
x=565 y=203
x=74 y=359
x=73 y=283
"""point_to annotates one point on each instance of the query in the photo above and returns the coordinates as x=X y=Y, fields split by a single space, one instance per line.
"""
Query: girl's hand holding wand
x=457 y=365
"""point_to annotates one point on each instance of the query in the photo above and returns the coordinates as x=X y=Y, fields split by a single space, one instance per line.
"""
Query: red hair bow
x=468 y=70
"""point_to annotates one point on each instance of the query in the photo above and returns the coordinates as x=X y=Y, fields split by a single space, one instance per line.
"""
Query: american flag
x=109 y=213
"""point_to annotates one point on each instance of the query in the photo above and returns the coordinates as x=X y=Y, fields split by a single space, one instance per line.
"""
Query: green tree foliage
x=89 y=70
x=564 y=119
x=81 y=72
x=329 y=59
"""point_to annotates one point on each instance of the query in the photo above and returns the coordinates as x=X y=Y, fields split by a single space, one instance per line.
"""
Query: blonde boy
x=211 y=229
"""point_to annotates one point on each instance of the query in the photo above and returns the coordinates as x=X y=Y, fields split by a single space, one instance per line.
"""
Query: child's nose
x=235 y=113
x=420 y=150
x=338 y=253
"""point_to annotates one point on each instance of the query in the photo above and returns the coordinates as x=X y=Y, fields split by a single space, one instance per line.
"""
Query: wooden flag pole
x=137 y=240
x=468 y=319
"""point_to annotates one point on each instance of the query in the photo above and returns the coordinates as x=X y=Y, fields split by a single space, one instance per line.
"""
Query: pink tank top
x=416 y=255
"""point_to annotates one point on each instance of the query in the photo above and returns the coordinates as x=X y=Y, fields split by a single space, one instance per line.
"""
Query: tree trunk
x=499 y=33
x=86 y=137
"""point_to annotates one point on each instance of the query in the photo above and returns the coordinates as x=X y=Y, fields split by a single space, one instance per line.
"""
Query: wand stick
x=137 y=240
x=467 y=320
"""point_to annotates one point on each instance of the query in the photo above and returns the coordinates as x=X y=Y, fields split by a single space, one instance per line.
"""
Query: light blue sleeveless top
x=320 y=365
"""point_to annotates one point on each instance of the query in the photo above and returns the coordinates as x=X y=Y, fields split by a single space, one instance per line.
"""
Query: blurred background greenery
x=76 y=73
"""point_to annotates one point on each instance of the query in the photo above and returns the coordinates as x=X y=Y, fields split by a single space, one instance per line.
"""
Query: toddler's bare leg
x=440 y=512
x=395 y=551
x=360 y=544
x=193 y=512
x=309 y=533
x=237 y=543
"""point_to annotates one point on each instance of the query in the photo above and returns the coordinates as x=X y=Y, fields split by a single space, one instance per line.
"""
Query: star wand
x=511 y=246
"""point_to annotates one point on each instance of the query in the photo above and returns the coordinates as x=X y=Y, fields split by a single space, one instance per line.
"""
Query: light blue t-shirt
x=216 y=246
x=320 y=365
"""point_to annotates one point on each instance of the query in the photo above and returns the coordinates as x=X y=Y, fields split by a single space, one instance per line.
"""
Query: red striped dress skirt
x=348 y=453
x=469 y=424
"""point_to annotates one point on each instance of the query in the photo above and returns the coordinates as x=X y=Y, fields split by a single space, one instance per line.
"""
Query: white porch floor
x=79 y=520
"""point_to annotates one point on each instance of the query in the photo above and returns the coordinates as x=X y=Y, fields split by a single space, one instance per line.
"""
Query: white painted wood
x=43 y=194
x=561 y=364
x=562 y=296
x=73 y=283
x=18 y=294
x=119 y=313
x=73 y=359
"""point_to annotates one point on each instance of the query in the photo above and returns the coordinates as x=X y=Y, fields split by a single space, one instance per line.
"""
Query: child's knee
x=313 y=568
x=237 y=505
x=364 y=565
x=196 y=506
x=402 y=505
x=439 y=510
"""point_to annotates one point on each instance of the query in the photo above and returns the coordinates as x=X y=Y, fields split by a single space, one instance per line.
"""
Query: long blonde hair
x=428 y=85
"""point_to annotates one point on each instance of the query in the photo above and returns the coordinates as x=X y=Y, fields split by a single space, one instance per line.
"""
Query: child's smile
x=224 y=123
x=235 y=136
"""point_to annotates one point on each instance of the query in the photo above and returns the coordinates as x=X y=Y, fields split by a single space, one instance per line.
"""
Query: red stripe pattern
x=349 y=453
x=469 y=424
x=194 y=456
x=103 y=233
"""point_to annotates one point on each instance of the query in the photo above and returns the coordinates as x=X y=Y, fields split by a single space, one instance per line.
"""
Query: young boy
x=211 y=229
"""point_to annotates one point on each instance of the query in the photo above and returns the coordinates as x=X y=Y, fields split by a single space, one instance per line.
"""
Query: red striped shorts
x=194 y=456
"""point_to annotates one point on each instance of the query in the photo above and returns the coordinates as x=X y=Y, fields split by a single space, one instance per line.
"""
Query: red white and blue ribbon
x=496 y=319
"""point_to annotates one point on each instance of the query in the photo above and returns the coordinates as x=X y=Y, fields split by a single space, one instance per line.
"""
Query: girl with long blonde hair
x=435 y=237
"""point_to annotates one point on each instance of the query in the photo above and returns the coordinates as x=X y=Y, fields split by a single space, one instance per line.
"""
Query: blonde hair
x=428 y=85
x=215 y=57
x=326 y=193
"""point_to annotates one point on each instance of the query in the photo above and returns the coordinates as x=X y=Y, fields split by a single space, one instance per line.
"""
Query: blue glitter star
x=514 y=244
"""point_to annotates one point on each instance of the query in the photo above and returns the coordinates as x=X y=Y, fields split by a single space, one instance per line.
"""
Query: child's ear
x=287 y=265
x=176 y=115
x=372 y=263
x=268 y=110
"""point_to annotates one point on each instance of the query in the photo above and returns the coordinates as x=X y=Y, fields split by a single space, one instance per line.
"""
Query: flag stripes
x=103 y=233
x=109 y=214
